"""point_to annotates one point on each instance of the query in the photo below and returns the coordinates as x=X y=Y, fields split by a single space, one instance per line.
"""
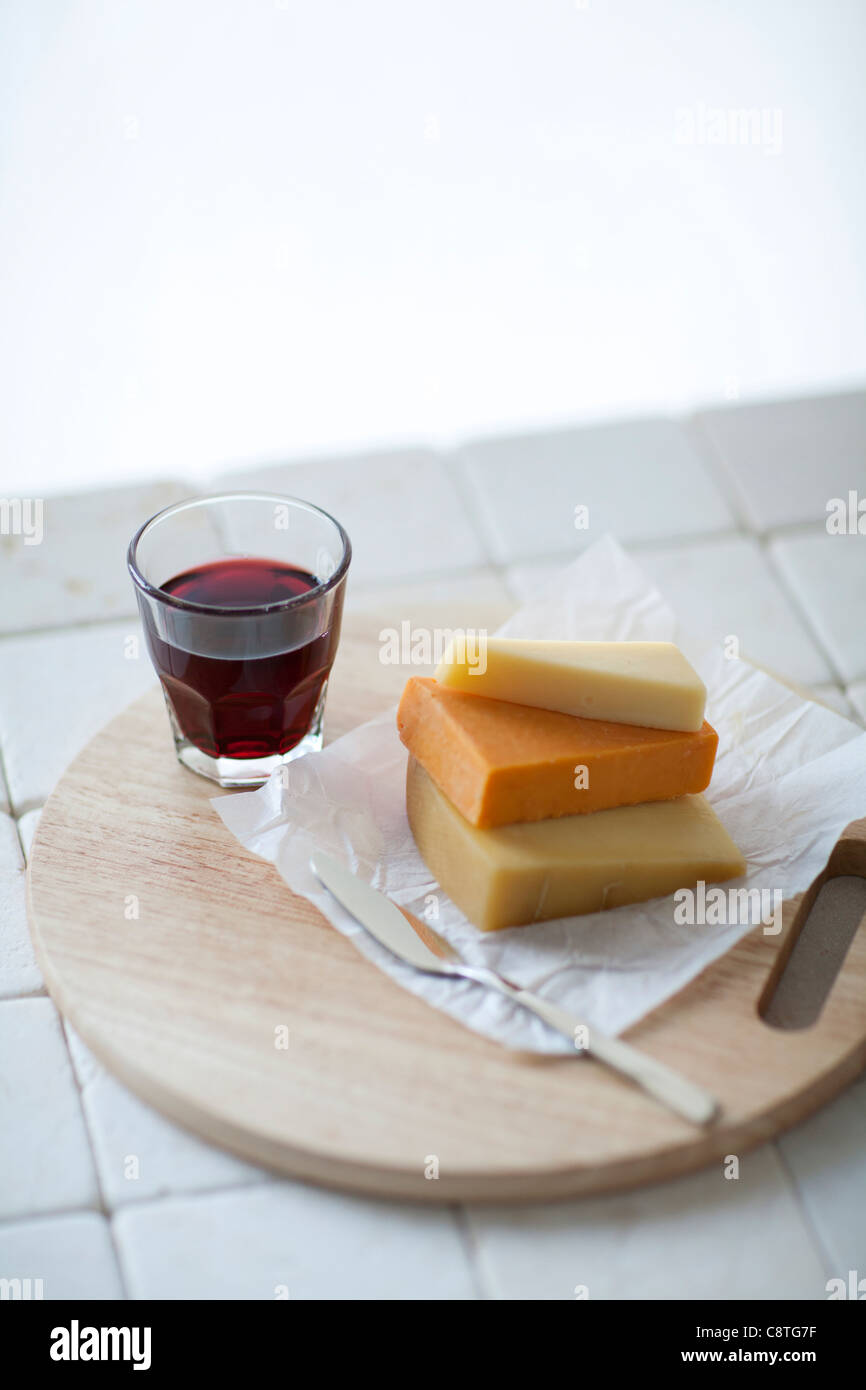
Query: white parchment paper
x=789 y=775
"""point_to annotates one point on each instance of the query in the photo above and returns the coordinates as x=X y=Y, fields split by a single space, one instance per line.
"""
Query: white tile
x=44 y=1153
x=857 y=696
x=72 y=1255
x=828 y=576
x=309 y=1242
x=402 y=511
x=19 y=973
x=478 y=599
x=139 y=1154
x=27 y=829
x=78 y=571
x=727 y=587
x=786 y=459
x=827 y=1157
x=56 y=692
x=527 y=581
x=722 y=586
x=480 y=586
x=641 y=479
x=701 y=1237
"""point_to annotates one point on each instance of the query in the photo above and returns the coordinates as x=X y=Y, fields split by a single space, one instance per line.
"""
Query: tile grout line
x=51 y=1214
x=18 y=816
x=472 y=1251
x=387 y=584
x=726 y=480
x=191 y=1193
x=219 y=1190
x=651 y=544
x=367 y=594
x=40 y=993
x=104 y=1208
x=498 y=567
x=470 y=502
x=790 y=591
x=486 y=1282
x=634 y=546
x=792 y=530
x=271 y=1177
x=4 y=781
x=763 y=535
x=157 y=1199
x=26 y=807
x=822 y=1251
x=799 y=608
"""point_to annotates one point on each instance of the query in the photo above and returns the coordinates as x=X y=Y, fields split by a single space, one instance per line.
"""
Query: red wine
x=240 y=583
x=244 y=686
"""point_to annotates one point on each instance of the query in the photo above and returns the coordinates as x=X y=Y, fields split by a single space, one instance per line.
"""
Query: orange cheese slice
x=499 y=762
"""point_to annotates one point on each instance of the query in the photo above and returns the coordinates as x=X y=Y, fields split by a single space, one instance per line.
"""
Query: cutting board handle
x=848 y=856
x=847 y=859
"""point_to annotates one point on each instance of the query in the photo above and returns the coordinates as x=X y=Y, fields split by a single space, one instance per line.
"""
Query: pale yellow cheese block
x=648 y=683
x=516 y=874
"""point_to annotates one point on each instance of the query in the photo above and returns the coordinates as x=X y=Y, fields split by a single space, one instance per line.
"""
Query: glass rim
x=215 y=609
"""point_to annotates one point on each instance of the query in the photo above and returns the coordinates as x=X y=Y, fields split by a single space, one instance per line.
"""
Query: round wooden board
x=182 y=1004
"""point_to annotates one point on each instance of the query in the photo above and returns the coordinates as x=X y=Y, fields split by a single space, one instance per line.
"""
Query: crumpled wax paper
x=789 y=776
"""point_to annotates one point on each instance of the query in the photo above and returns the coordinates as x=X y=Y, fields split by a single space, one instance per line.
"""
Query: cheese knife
x=416 y=943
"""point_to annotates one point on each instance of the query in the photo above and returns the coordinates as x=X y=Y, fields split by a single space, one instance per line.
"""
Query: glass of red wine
x=241 y=598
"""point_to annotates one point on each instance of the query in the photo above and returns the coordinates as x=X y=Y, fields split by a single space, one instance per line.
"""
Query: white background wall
x=239 y=231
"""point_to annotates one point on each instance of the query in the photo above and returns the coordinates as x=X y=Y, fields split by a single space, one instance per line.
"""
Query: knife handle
x=679 y=1094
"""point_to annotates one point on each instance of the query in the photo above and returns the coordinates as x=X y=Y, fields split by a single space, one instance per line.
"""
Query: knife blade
x=375 y=911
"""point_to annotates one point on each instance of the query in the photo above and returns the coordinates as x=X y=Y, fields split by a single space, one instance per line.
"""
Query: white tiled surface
x=785 y=460
x=825 y=1156
x=827 y=574
x=286 y=1240
x=727 y=587
x=700 y=1237
x=481 y=586
x=479 y=527
x=721 y=586
x=44 y=1149
x=140 y=1155
x=72 y=1255
x=402 y=510
x=19 y=973
x=57 y=689
x=77 y=573
x=642 y=479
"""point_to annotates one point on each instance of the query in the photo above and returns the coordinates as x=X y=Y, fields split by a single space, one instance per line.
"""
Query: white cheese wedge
x=513 y=875
x=648 y=683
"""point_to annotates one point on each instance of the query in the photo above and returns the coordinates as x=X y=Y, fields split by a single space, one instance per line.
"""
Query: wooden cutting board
x=181 y=960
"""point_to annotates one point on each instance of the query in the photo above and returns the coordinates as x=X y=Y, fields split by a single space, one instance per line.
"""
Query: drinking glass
x=241 y=598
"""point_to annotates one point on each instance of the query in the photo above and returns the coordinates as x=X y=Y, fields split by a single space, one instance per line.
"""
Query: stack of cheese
x=556 y=778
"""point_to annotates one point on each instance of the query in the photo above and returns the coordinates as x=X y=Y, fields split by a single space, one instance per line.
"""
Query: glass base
x=243 y=772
